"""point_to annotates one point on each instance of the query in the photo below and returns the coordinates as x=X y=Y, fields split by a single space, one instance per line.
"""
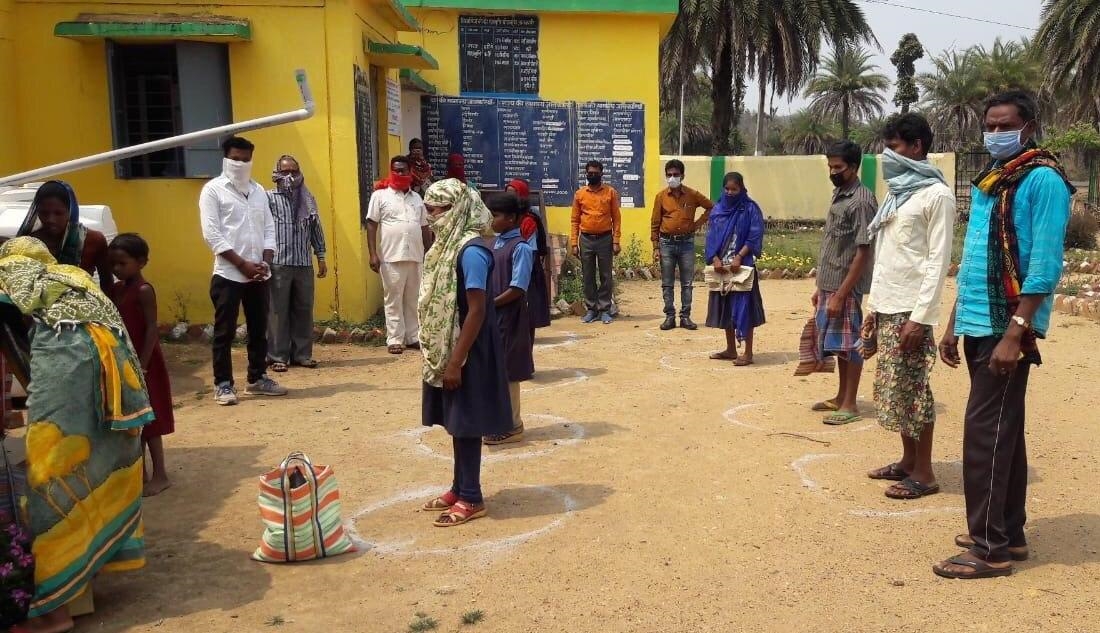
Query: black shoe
x=688 y=324
x=670 y=322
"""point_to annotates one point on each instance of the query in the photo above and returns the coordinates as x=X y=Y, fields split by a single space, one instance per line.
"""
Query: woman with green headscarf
x=465 y=388
x=86 y=407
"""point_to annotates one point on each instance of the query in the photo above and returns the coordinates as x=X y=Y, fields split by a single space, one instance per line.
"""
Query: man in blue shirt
x=1012 y=262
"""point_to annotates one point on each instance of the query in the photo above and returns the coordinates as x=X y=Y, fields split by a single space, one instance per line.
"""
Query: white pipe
x=682 y=118
x=174 y=141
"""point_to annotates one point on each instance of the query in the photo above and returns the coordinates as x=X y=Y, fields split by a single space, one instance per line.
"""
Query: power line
x=949 y=15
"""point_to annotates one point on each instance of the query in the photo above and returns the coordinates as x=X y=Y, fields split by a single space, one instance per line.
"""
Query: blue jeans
x=677 y=253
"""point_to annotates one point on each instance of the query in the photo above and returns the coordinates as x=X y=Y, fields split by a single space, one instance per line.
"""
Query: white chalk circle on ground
x=577 y=377
x=508 y=452
x=571 y=339
x=733 y=417
x=407 y=547
x=672 y=362
x=801 y=467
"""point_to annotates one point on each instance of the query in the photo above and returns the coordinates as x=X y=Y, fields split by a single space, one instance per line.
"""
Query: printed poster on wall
x=393 y=106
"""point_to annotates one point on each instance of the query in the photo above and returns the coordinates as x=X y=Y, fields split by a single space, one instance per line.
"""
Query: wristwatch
x=1021 y=321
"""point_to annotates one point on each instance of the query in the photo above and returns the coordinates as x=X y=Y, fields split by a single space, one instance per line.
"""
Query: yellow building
x=79 y=78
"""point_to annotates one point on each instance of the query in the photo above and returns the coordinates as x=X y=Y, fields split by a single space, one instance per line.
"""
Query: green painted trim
x=406 y=17
x=868 y=172
x=402 y=50
x=158 y=30
x=717 y=174
x=560 y=6
x=417 y=81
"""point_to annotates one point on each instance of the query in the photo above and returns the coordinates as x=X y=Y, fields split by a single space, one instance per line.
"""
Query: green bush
x=1081 y=231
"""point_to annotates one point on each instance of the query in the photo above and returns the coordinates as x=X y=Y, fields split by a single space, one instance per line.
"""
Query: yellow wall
x=61 y=94
x=583 y=57
x=9 y=149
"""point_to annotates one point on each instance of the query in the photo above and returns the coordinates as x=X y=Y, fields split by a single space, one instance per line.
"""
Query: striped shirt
x=853 y=208
x=294 y=237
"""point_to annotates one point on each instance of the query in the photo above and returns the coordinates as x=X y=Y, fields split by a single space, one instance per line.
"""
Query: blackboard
x=614 y=134
x=536 y=144
x=364 y=140
x=543 y=142
x=499 y=54
x=454 y=125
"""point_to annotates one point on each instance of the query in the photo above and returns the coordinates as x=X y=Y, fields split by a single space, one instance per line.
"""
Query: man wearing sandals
x=1011 y=264
x=912 y=233
x=297 y=232
x=843 y=277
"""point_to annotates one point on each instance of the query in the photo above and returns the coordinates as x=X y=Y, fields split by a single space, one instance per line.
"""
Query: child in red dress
x=137 y=303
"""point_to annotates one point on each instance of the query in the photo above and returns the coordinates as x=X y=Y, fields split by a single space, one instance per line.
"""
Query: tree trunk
x=845 y=115
x=737 y=142
x=721 y=92
x=905 y=108
x=762 y=78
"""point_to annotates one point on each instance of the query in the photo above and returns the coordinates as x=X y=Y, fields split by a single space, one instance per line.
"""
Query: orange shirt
x=596 y=211
x=674 y=212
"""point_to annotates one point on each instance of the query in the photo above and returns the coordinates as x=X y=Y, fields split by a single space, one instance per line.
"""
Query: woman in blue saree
x=735 y=238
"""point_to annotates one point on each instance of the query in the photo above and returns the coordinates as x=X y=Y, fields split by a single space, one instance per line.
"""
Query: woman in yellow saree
x=87 y=405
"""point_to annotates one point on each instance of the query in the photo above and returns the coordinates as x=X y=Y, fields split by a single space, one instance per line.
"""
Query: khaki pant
x=513 y=395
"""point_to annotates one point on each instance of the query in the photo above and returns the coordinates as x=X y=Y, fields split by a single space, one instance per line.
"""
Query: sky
x=936 y=32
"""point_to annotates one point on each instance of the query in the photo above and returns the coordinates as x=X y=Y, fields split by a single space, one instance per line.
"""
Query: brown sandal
x=1018 y=554
x=461 y=512
x=442 y=502
x=396 y=349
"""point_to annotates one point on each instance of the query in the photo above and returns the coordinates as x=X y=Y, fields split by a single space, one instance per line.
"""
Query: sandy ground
x=657 y=491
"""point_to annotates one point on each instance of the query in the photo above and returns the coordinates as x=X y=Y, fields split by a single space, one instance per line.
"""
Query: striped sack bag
x=300 y=508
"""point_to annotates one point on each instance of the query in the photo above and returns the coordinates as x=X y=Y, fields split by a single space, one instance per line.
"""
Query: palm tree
x=953 y=94
x=847 y=85
x=868 y=135
x=808 y=133
x=1009 y=65
x=1067 y=41
x=698 y=121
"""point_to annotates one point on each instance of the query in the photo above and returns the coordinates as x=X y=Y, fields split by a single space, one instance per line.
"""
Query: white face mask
x=239 y=174
x=675 y=181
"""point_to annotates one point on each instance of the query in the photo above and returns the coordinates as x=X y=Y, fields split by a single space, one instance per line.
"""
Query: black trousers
x=467 y=482
x=994 y=453
x=228 y=298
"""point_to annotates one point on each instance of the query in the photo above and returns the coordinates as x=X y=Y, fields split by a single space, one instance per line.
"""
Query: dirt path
x=654 y=494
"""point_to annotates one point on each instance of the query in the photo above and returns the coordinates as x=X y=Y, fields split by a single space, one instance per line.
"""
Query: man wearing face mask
x=1011 y=264
x=397 y=236
x=844 y=277
x=673 y=226
x=297 y=231
x=596 y=229
x=237 y=224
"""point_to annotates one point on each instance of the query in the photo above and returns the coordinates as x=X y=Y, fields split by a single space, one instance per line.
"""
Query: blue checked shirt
x=1040 y=211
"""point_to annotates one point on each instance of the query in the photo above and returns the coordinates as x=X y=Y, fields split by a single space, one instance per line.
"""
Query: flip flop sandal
x=461 y=512
x=1018 y=554
x=308 y=364
x=721 y=356
x=396 y=349
x=981 y=569
x=440 y=503
x=279 y=367
x=824 y=405
x=742 y=362
x=841 y=418
x=889 y=473
x=914 y=489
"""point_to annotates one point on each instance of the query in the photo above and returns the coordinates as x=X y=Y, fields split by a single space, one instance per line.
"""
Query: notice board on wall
x=543 y=142
x=498 y=55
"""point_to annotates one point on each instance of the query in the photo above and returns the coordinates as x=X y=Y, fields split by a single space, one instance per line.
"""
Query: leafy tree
x=847 y=84
x=904 y=59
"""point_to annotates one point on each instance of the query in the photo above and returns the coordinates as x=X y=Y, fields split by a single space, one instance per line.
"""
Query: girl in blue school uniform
x=513 y=266
x=465 y=387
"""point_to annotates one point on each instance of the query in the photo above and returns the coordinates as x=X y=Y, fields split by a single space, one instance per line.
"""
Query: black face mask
x=837 y=179
x=595 y=179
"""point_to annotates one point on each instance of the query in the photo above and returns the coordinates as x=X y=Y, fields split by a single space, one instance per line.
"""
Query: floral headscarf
x=468 y=219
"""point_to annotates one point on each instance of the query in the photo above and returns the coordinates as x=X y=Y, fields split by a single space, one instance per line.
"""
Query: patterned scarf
x=301 y=198
x=72 y=243
x=1001 y=182
x=468 y=219
x=56 y=294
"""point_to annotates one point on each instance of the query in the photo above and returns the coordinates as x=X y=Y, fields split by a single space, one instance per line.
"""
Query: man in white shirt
x=913 y=235
x=397 y=234
x=237 y=224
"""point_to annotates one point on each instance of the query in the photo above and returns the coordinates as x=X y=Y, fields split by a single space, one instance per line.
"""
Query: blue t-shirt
x=476 y=262
x=523 y=259
x=1040 y=211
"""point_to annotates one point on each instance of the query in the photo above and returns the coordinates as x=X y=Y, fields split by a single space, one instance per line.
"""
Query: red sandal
x=442 y=502
x=461 y=512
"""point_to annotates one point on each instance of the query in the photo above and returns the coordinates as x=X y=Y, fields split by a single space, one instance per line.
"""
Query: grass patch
x=275 y=620
x=423 y=623
x=473 y=617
